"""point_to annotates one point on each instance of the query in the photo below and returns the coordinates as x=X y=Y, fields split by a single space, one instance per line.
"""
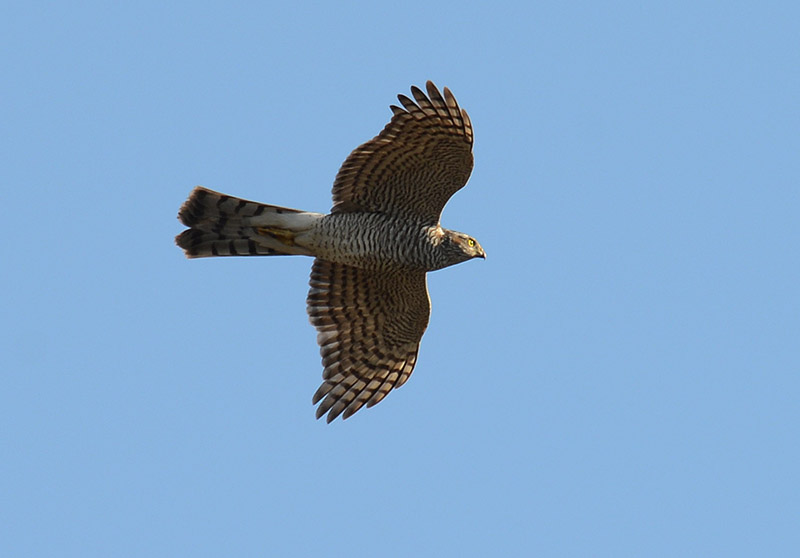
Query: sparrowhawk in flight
x=368 y=298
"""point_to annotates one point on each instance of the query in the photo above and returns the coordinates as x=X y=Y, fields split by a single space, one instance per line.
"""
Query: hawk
x=368 y=296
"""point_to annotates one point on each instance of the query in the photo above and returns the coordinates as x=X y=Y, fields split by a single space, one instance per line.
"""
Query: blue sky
x=618 y=378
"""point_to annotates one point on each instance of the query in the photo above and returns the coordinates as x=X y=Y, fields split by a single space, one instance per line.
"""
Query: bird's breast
x=371 y=240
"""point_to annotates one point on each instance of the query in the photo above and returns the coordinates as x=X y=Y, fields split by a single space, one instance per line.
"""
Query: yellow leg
x=282 y=235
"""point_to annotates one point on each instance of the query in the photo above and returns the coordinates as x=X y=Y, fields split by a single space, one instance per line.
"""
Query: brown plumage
x=368 y=297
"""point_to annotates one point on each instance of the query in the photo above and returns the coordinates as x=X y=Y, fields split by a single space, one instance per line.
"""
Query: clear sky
x=621 y=376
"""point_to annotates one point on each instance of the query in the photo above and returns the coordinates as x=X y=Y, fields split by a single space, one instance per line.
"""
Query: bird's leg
x=283 y=236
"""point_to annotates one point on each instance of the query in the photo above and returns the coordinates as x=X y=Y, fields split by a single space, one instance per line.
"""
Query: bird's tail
x=221 y=225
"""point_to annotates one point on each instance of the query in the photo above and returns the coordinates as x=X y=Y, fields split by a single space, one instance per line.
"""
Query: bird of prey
x=368 y=296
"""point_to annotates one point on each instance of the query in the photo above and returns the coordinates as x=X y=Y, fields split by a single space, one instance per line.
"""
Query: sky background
x=621 y=376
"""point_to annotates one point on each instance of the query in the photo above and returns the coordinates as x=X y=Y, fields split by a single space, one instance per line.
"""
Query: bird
x=368 y=296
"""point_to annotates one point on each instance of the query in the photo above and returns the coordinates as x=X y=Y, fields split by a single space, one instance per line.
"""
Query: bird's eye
x=471 y=242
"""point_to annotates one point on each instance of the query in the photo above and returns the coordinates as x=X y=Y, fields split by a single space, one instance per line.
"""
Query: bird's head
x=464 y=247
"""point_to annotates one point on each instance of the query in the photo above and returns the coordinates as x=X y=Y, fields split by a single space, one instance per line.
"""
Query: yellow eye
x=471 y=242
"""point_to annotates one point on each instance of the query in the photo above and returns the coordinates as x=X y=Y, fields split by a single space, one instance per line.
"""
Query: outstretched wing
x=420 y=159
x=369 y=327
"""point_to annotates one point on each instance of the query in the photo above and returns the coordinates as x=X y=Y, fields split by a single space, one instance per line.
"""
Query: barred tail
x=221 y=225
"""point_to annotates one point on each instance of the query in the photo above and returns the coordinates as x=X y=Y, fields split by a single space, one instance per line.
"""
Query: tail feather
x=222 y=225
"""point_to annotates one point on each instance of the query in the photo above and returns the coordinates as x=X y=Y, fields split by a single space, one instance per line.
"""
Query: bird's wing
x=369 y=326
x=420 y=159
